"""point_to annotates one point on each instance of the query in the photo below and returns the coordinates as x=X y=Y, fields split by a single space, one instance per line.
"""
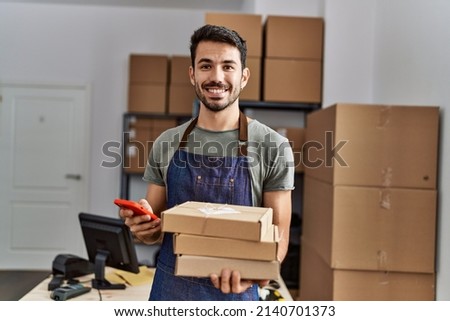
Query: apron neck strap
x=243 y=133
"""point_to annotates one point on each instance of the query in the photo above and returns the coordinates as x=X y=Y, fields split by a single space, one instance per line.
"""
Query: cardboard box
x=219 y=220
x=203 y=266
x=252 y=91
x=370 y=228
x=249 y=27
x=150 y=98
x=320 y=282
x=292 y=80
x=181 y=99
x=373 y=145
x=264 y=250
x=296 y=138
x=179 y=70
x=294 y=37
x=148 y=69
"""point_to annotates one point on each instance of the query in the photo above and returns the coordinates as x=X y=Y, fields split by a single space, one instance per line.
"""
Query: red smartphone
x=135 y=207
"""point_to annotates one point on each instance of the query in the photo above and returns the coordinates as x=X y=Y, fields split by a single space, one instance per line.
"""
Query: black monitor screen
x=108 y=243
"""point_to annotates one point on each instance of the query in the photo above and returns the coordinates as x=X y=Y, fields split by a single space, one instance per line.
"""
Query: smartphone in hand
x=137 y=208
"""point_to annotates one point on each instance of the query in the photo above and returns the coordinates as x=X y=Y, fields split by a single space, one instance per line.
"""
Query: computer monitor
x=108 y=243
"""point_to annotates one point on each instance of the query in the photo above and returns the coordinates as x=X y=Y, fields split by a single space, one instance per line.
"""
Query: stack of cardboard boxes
x=209 y=237
x=293 y=59
x=285 y=55
x=370 y=199
x=181 y=91
x=250 y=27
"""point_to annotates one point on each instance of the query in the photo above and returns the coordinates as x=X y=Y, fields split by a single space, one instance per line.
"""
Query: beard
x=217 y=105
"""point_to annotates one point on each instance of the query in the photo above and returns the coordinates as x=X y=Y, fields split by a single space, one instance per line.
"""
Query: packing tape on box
x=386 y=176
x=384 y=117
x=382 y=259
x=212 y=210
x=385 y=199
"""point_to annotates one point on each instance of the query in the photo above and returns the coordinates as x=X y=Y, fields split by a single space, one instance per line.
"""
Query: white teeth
x=216 y=91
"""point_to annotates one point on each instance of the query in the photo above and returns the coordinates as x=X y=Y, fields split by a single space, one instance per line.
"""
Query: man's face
x=218 y=76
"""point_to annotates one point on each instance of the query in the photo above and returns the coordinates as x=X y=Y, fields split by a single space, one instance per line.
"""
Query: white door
x=44 y=156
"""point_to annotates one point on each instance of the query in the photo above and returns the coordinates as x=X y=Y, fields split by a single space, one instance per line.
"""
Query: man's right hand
x=145 y=229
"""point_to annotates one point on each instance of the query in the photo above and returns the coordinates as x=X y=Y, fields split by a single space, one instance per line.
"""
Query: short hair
x=218 y=34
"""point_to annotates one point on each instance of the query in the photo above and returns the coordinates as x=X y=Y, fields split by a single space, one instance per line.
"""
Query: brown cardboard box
x=219 y=220
x=147 y=98
x=181 y=99
x=373 y=145
x=264 y=250
x=296 y=138
x=292 y=80
x=371 y=228
x=136 y=155
x=320 y=282
x=253 y=89
x=294 y=37
x=249 y=27
x=179 y=70
x=148 y=69
x=204 y=266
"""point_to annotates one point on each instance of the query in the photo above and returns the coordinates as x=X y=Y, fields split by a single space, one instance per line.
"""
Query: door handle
x=76 y=177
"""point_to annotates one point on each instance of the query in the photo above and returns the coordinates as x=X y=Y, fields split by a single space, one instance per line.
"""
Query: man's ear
x=245 y=77
x=191 y=75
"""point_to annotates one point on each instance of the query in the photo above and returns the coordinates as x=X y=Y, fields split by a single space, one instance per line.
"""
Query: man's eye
x=204 y=67
x=228 y=68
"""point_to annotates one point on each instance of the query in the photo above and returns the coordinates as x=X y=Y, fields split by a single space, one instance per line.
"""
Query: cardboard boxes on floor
x=209 y=237
x=370 y=203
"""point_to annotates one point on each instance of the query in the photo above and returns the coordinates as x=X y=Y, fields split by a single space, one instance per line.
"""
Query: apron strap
x=243 y=133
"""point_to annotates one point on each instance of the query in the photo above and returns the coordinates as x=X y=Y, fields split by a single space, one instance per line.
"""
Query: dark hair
x=218 y=34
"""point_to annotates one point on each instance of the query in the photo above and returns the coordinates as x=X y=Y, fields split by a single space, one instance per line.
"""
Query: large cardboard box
x=373 y=145
x=294 y=37
x=150 y=98
x=204 y=266
x=148 y=68
x=264 y=250
x=179 y=70
x=320 y=282
x=252 y=91
x=371 y=228
x=181 y=99
x=219 y=220
x=292 y=80
x=148 y=82
x=249 y=27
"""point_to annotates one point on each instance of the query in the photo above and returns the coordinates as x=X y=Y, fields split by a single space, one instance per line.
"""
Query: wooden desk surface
x=131 y=293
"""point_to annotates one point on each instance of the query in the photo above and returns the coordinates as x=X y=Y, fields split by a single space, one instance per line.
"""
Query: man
x=220 y=157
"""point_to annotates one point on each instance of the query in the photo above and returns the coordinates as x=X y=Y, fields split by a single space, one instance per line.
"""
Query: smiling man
x=250 y=164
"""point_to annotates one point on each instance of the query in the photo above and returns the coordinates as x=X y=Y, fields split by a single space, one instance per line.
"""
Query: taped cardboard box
x=265 y=250
x=371 y=228
x=204 y=266
x=373 y=145
x=320 y=282
x=219 y=220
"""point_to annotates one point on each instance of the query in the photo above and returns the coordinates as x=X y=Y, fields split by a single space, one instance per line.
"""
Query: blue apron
x=201 y=178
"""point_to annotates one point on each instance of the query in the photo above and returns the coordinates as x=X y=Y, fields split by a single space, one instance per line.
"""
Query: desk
x=131 y=293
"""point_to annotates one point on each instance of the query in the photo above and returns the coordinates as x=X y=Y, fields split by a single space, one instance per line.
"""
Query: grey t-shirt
x=270 y=156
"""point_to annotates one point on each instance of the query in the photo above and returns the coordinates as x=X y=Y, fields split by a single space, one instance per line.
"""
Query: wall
x=380 y=51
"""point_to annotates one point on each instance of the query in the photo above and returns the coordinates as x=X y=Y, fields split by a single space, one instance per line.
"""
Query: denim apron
x=193 y=177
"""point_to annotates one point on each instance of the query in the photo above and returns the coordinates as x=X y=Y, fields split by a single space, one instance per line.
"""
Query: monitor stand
x=99 y=282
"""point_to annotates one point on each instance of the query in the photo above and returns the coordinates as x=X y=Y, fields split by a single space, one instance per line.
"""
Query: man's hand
x=231 y=282
x=143 y=227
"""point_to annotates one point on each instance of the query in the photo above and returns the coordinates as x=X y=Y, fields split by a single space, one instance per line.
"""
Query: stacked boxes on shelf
x=209 y=237
x=293 y=59
x=139 y=140
x=181 y=91
x=148 y=79
x=370 y=203
x=250 y=27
